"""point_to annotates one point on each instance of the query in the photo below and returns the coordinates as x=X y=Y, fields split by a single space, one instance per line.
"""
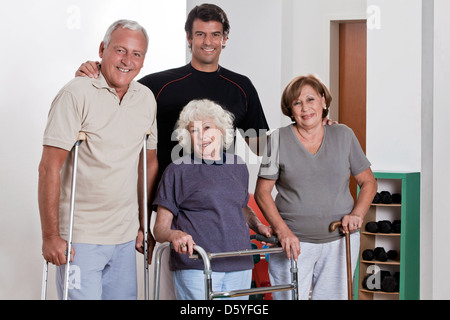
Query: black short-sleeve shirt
x=175 y=88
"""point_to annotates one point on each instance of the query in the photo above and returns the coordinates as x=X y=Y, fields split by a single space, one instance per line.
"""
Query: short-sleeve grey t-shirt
x=313 y=189
x=206 y=200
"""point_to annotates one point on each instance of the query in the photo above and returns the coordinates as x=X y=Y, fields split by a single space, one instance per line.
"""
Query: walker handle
x=260 y=237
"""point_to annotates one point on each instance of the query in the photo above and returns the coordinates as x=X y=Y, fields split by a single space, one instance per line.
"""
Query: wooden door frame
x=332 y=35
x=334 y=64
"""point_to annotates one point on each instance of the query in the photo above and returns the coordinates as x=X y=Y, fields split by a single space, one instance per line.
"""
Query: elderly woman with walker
x=202 y=200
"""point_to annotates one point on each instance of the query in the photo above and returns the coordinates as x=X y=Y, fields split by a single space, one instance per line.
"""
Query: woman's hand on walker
x=182 y=242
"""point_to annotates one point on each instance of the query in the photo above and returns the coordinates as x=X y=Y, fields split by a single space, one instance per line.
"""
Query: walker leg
x=294 y=278
x=207 y=271
x=157 y=271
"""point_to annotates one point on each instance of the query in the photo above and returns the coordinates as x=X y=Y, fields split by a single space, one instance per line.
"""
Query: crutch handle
x=81 y=136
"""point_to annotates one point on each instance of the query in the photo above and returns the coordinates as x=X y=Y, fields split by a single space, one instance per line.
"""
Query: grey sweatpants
x=322 y=268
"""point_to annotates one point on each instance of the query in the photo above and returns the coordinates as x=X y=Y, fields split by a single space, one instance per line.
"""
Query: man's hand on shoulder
x=89 y=69
x=329 y=122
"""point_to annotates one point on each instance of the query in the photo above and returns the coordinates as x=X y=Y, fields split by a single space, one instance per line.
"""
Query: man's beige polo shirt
x=106 y=203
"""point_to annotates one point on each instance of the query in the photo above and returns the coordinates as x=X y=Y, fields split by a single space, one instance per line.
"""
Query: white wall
x=394 y=78
x=43 y=43
x=407 y=109
x=311 y=33
x=440 y=220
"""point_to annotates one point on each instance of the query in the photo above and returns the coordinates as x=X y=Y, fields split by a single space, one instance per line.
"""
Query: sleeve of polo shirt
x=269 y=168
x=152 y=141
x=64 y=122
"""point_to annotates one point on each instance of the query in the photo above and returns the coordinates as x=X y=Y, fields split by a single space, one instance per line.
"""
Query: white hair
x=198 y=110
x=125 y=24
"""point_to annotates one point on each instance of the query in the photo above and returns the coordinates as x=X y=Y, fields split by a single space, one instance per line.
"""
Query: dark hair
x=294 y=88
x=207 y=12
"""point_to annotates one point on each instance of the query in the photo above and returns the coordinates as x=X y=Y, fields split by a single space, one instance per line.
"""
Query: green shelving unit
x=406 y=243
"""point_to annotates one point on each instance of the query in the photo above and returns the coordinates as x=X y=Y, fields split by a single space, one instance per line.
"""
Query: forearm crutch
x=333 y=226
x=80 y=139
x=145 y=205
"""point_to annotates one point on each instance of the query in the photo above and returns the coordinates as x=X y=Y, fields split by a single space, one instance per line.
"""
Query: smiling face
x=307 y=109
x=123 y=58
x=206 y=44
x=206 y=139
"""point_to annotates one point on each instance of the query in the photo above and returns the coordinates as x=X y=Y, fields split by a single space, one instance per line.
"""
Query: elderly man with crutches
x=114 y=177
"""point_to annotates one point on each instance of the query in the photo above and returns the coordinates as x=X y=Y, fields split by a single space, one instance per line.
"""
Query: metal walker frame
x=207 y=257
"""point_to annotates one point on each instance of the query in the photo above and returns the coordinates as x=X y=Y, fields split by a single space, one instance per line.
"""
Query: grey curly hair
x=198 y=110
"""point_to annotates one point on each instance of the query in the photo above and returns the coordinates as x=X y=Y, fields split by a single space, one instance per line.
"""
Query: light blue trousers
x=321 y=267
x=190 y=284
x=101 y=272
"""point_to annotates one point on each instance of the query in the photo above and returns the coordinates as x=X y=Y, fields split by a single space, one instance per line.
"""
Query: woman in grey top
x=310 y=164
